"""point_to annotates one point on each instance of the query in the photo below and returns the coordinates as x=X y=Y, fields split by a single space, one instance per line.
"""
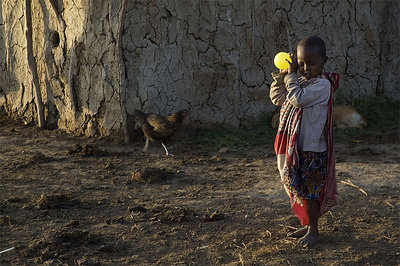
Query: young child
x=304 y=141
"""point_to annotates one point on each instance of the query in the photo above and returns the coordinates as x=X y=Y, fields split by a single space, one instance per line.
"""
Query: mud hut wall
x=74 y=48
x=215 y=57
x=13 y=96
x=212 y=57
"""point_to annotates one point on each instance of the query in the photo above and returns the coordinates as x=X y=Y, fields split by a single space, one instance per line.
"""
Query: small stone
x=223 y=150
x=215 y=216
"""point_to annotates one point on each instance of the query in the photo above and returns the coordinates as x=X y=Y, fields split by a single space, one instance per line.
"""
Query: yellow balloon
x=280 y=60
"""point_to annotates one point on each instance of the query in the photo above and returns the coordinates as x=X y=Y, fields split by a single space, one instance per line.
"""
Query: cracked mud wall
x=215 y=57
x=212 y=57
x=78 y=66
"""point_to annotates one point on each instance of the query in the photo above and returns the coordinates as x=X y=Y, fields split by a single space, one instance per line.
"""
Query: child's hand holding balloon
x=285 y=62
x=293 y=66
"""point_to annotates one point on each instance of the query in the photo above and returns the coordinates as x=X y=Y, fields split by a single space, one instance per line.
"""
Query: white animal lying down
x=344 y=116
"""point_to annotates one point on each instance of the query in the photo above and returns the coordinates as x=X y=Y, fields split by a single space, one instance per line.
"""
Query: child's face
x=310 y=61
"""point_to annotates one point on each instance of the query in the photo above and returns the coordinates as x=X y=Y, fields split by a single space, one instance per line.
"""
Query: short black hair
x=314 y=41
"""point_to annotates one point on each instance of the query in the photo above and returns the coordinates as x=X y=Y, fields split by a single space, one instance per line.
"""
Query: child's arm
x=317 y=92
x=278 y=92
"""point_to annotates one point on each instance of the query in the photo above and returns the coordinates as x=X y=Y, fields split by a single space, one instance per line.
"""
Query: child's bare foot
x=299 y=232
x=310 y=237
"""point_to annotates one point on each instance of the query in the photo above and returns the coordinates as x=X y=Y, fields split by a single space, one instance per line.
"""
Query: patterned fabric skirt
x=308 y=180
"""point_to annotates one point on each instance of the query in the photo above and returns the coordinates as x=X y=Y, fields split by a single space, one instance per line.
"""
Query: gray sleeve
x=277 y=92
x=317 y=92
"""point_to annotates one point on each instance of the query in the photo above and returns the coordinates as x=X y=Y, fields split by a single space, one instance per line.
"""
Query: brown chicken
x=156 y=127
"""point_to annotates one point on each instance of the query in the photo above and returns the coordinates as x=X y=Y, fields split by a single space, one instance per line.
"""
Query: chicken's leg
x=165 y=148
x=146 y=146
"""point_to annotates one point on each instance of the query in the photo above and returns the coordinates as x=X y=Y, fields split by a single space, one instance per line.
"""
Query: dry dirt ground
x=67 y=200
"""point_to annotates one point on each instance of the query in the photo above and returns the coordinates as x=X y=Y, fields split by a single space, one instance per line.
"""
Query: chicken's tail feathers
x=142 y=116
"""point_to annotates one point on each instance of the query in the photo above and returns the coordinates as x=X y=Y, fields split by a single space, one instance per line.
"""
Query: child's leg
x=312 y=234
x=299 y=233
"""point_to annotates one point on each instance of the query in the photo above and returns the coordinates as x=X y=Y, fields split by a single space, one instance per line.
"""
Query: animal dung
x=151 y=175
x=86 y=150
x=55 y=201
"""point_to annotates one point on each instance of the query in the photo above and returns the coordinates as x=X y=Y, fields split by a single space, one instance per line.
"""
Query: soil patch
x=100 y=203
x=151 y=175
